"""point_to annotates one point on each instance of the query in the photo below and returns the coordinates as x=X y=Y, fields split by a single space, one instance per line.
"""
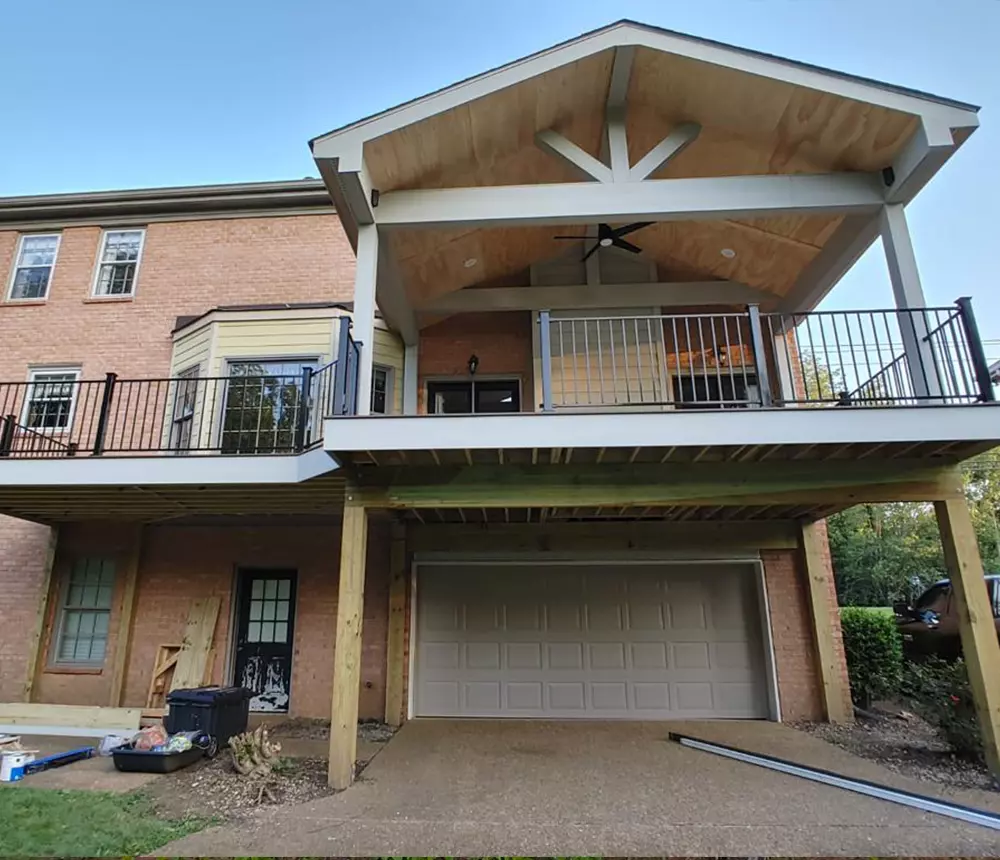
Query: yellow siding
x=389 y=353
x=192 y=349
x=272 y=338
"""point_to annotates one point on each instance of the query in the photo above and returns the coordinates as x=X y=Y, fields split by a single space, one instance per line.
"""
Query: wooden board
x=30 y=718
x=123 y=642
x=396 y=644
x=35 y=639
x=163 y=671
x=193 y=661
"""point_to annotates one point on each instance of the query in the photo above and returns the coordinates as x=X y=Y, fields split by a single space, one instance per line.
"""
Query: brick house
x=523 y=410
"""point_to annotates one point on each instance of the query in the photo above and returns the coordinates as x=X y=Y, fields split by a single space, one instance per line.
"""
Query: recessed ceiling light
x=728 y=253
x=470 y=262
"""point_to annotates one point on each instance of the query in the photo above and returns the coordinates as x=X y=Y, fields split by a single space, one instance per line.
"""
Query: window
x=85 y=612
x=381 y=389
x=263 y=399
x=50 y=400
x=36 y=258
x=487 y=396
x=119 y=262
x=185 y=397
x=710 y=391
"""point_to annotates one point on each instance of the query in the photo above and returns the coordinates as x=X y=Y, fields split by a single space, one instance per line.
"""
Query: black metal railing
x=243 y=413
x=749 y=359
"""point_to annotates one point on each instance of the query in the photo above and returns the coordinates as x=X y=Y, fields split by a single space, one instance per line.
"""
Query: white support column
x=909 y=295
x=410 y=359
x=365 y=277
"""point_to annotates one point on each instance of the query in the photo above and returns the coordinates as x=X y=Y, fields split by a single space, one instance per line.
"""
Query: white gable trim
x=344 y=144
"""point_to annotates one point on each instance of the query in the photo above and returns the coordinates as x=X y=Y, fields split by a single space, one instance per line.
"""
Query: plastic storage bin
x=148 y=761
x=218 y=711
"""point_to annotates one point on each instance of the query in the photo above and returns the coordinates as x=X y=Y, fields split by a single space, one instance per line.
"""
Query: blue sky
x=124 y=94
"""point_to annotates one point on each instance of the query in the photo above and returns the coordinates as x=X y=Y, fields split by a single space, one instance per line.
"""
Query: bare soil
x=212 y=788
x=906 y=744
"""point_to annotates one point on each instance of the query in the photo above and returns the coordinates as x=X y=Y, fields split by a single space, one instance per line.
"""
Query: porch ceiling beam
x=676 y=484
x=931 y=145
x=602 y=296
x=667 y=149
x=652 y=200
x=614 y=141
x=565 y=150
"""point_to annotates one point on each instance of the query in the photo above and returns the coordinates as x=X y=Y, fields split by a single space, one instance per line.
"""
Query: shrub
x=939 y=692
x=874 y=654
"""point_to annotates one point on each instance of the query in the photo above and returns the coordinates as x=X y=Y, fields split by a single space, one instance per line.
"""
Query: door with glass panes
x=264 y=635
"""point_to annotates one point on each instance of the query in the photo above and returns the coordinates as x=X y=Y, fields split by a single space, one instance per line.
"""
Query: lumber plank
x=395 y=645
x=347 y=648
x=196 y=646
x=22 y=715
x=35 y=640
x=975 y=620
x=123 y=642
x=818 y=579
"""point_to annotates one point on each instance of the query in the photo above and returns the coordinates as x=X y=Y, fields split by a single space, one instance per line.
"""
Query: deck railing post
x=980 y=365
x=102 y=420
x=304 y=413
x=545 y=347
x=8 y=424
x=759 y=356
x=339 y=400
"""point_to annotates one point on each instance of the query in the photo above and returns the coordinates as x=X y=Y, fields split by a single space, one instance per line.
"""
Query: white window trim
x=390 y=388
x=101 y=248
x=9 y=295
x=28 y=396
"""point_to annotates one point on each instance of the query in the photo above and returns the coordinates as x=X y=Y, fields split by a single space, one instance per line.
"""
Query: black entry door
x=264 y=636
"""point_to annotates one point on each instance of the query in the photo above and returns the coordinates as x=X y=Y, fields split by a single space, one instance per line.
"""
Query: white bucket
x=12 y=764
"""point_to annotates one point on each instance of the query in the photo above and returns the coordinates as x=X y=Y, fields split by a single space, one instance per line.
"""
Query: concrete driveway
x=490 y=787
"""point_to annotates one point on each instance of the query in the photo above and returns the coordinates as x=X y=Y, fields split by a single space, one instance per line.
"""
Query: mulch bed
x=211 y=788
x=906 y=744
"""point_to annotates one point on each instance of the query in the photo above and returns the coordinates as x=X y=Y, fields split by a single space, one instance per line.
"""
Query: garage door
x=661 y=641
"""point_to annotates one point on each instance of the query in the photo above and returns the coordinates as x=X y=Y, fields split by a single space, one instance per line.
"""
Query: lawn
x=38 y=821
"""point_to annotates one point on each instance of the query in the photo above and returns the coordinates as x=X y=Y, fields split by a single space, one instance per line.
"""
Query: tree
x=883 y=553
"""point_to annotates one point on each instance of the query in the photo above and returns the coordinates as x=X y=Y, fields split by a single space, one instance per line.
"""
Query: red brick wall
x=187 y=268
x=501 y=341
x=799 y=685
x=182 y=563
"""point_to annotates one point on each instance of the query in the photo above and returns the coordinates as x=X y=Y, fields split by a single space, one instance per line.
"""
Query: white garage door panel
x=642 y=642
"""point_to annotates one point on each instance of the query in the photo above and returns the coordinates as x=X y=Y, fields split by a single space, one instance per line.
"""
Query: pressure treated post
x=123 y=642
x=395 y=644
x=821 y=609
x=975 y=620
x=36 y=636
x=347 y=656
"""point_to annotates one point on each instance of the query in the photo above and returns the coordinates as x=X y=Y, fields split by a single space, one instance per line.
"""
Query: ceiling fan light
x=728 y=253
x=606 y=242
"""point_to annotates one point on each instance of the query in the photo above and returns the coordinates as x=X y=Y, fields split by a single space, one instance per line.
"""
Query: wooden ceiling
x=750 y=125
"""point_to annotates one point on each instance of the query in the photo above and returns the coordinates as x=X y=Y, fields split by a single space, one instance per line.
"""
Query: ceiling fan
x=608 y=236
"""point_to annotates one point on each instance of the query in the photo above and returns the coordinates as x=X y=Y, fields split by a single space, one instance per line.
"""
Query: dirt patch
x=211 y=788
x=907 y=745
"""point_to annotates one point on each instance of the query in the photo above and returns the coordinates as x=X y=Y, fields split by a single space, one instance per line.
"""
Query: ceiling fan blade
x=626 y=246
x=591 y=251
x=630 y=228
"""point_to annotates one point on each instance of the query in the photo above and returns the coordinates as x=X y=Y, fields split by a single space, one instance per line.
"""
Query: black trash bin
x=218 y=711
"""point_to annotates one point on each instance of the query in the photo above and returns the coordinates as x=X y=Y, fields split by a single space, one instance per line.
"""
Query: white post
x=410 y=357
x=909 y=295
x=365 y=275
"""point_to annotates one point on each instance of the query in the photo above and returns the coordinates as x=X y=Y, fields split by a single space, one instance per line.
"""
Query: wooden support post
x=975 y=621
x=347 y=656
x=123 y=643
x=37 y=636
x=395 y=645
x=818 y=577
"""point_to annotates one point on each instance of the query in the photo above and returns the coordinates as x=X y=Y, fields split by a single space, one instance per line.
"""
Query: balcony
x=672 y=368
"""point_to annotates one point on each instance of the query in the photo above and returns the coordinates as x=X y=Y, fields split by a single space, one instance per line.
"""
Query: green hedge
x=874 y=654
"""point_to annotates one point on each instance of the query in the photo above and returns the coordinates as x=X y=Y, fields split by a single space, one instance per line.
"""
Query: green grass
x=38 y=821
